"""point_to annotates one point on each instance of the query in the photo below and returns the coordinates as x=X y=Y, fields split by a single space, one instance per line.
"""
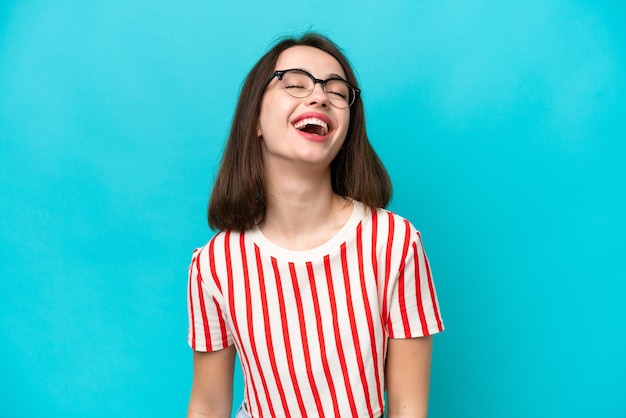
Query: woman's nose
x=318 y=95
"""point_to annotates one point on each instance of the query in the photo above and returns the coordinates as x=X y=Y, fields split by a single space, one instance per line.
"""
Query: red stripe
x=390 y=232
x=212 y=264
x=431 y=287
x=286 y=340
x=342 y=357
x=305 y=341
x=191 y=310
x=401 y=280
x=253 y=347
x=217 y=282
x=376 y=276
x=205 y=321
x=320 y=334
x=220 y=315
x=230 y=285
x=368 y=313
x=355 y=332
x=418 y=292
x=219 y=287
x=268 y=334
x=247 y=370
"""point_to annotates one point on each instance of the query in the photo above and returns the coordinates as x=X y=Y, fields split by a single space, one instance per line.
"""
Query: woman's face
x=306 y=131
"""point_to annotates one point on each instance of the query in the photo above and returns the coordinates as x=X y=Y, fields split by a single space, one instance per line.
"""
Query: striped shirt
x=311 y=327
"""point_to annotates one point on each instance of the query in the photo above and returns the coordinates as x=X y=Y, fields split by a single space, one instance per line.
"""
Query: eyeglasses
x=300 y=84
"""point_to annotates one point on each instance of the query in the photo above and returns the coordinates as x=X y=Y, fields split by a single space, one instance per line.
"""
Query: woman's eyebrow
x=334 y=75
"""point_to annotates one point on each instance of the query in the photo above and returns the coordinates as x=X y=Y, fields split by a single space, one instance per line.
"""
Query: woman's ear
x=259 y=134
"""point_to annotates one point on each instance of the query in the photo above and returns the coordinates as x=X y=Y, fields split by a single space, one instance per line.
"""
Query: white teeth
x=312 y=121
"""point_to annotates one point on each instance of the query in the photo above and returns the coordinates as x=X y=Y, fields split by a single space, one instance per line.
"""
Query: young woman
x=326 y=297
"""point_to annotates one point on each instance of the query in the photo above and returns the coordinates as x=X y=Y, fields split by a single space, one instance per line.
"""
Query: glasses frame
x=356 y=92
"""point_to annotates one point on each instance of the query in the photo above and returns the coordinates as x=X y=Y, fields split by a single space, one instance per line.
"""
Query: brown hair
x=238 y=200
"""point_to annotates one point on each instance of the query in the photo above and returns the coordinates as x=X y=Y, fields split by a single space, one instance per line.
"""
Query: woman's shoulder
x=389 y=218
x=219 y=240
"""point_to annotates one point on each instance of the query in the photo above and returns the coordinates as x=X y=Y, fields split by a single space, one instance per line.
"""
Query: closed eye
x=294 y=86
x=339 y=94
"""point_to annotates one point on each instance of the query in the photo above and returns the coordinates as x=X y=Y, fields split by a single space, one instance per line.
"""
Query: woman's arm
x=407 y=370
x=212 y=387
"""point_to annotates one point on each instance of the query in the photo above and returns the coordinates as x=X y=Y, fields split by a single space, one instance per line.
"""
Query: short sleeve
x=208 y=326
x=414 y=308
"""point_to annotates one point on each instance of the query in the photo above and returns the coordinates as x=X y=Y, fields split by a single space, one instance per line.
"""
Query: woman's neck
x=303 y=212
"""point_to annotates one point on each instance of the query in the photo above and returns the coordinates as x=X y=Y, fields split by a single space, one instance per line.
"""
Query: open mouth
x=312 y=125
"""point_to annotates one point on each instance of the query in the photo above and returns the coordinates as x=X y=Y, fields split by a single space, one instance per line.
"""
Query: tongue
x=312 y=129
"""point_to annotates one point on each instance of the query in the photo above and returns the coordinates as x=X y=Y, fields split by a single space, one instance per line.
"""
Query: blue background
x=501 y=123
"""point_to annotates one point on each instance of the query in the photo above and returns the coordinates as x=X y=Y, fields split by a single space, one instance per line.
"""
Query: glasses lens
x=339 y=93
x=300 y=84
x=297 y=84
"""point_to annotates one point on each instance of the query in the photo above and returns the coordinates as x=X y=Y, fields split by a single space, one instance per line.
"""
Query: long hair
x=238 y=200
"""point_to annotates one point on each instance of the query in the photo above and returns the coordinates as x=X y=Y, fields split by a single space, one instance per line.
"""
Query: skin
x=212 y=386
x=407 y=376
x=303 y=213
x=284 y=146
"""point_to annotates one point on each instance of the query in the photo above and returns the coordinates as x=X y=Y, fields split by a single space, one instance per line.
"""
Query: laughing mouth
x=312 y=125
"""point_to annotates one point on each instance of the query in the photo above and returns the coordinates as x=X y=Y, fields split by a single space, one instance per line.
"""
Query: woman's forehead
x=319 y=63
